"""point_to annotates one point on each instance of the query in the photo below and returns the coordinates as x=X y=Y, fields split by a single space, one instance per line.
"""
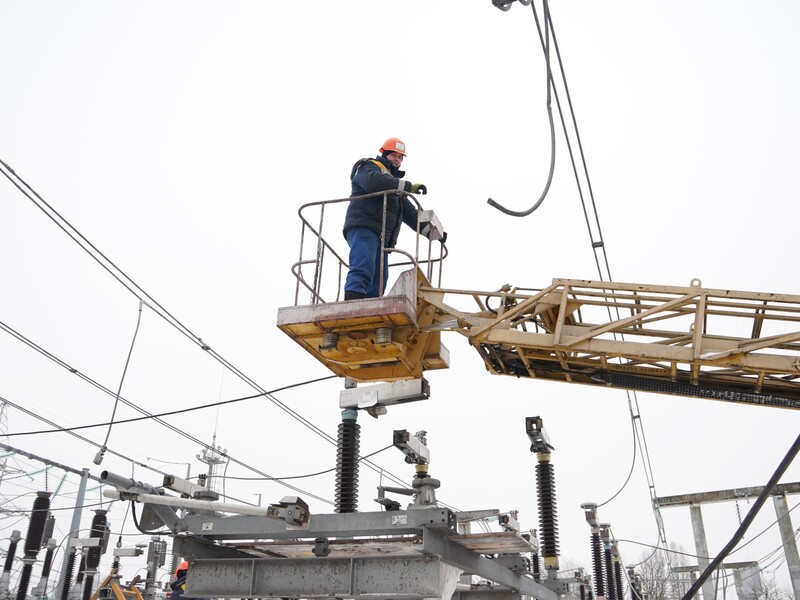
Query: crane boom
x=692 y=341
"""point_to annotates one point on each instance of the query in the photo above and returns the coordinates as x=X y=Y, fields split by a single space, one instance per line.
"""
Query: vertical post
x=73 y=532
x=738 y=584
x=383 y=255
x=789 y=543
x=701 y=548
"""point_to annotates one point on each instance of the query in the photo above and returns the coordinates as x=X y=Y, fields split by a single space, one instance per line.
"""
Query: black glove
x=418 y=187
x=444 y=237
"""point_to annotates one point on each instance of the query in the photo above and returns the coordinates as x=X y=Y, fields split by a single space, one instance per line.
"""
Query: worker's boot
x=348 y=295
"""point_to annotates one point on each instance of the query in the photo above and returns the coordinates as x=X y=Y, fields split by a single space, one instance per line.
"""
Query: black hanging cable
x=98 y=459
x=549 y=78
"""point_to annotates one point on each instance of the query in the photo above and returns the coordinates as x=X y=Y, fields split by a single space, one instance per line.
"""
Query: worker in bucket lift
x=179 y=585
x=362 y=225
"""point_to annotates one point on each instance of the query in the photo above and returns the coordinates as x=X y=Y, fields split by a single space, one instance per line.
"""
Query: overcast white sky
x=180 y=138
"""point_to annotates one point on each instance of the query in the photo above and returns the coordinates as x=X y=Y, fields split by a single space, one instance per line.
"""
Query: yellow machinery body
x=683 y=340
x=361 y=351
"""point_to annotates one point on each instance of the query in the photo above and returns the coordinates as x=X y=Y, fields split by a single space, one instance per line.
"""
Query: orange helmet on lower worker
x=184 y=566
x=394 y=145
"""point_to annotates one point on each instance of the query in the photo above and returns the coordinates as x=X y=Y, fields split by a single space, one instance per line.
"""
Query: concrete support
x=74 y=531
x=701 y=548
x=789 y=542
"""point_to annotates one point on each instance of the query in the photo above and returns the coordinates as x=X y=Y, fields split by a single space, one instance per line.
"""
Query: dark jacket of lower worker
x=378 y=175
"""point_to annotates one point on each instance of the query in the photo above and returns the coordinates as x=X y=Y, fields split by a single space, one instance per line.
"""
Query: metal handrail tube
x=323 y=247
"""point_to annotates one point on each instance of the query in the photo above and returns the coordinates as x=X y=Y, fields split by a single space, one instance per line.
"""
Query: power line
x=135 y=289
x=99 y=458
x=598 y=247
x=360 y=458
x=154 y=417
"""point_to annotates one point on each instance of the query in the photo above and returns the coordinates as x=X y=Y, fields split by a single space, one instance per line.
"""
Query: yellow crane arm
x=692 y=341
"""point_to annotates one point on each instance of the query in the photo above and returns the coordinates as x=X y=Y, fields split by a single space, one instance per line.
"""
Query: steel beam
x=726 y=495
x=410 y=577
x=327 y=525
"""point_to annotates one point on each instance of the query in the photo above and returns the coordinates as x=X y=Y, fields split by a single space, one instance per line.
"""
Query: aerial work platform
x=373 y=339
x=692 y=341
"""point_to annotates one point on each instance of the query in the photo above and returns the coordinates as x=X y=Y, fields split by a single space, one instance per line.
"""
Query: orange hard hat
x=184 y=566
x=394 y=145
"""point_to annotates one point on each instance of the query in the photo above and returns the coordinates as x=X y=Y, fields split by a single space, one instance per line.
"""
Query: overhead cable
x=597 y=245
x=98 y=459
x=148 y=415
x=331 y=470
x=154 y=305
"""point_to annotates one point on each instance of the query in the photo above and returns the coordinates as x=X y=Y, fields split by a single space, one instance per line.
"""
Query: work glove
x=418 y=187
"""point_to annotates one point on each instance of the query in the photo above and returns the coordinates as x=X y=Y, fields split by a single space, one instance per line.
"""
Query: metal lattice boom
x=693 y=341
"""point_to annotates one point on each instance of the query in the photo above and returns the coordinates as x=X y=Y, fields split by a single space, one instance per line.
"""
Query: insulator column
x=69 y=568
x=617 y=571
x=548 y=519
x=597 y=564
x=40 y=591
x=5 y=578
x=76 y=592
x=590 y=509
x=33 y=541
x=636 y=584
x=93 y=555
x=546 y=493
x=347 y=462
x=605 y=535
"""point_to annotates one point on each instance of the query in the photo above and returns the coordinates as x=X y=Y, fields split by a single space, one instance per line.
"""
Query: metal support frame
x=424 y=572
x=408 y=577
x=455 y=554
x=399 y=522
x=693 y=501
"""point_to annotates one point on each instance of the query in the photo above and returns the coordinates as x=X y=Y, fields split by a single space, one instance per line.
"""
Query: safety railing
x=322 y=265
